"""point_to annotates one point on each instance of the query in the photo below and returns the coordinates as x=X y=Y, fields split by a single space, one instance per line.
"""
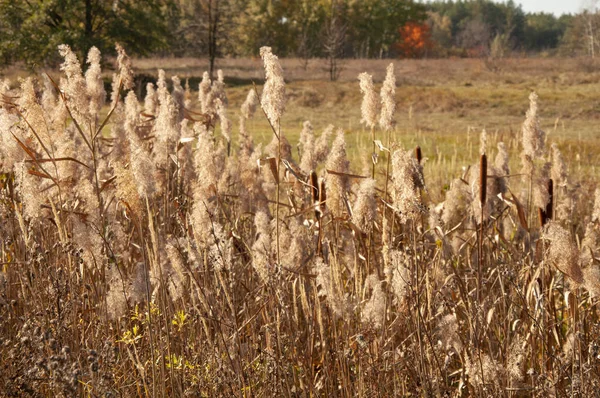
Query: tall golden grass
x=144 y=254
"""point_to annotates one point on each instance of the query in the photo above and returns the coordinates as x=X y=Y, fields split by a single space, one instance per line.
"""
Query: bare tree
x=591 y=16
x=335 y=38
x=213 y=19
x=475 y=37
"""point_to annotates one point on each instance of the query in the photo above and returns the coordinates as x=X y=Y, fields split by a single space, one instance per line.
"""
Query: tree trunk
x=213 y=24
x=89 y=29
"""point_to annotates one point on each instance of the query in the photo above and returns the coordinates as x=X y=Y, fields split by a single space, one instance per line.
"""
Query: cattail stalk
x=418 y=154
x=482 y=200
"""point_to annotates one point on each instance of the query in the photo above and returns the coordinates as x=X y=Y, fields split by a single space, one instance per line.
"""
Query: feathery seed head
x=249 y=106
x=307 y=144
x=124 y=67
x=407 y=179
x=533 y=137
x=364 y=211
x=562 y=251
x=337 y=184
x=369 y=106
x=94 y=83
x=388 y=99
x=273 y=96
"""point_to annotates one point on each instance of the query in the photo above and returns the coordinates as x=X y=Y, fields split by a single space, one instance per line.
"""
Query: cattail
x=369 y=103
x=545 y=214
x=94 y=82
x=550 y=205
x=482 y=179
x=313 y=181
x=388 y=99
x=418 y=154
x=273 y=96
x=322 y=195
x=533 y=137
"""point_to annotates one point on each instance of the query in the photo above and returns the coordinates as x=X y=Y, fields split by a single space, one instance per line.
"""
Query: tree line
x=30 y=30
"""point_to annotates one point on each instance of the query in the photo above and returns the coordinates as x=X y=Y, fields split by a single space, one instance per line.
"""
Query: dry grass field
x=210 y=242
x=441 y=103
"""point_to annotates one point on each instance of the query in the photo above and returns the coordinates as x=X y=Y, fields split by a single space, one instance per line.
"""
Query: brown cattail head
x=418 y=154
x=549 y=206
x=314 y=189
x=482 y=179
x=322 y=192
x=545 y=214
x=314 y=184
x=542 y=216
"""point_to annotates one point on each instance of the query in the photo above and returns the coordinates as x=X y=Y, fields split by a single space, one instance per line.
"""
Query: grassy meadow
x=164 y=241
x=443 y=105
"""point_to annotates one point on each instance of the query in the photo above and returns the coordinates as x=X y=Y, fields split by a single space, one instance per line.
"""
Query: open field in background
x=442 y=104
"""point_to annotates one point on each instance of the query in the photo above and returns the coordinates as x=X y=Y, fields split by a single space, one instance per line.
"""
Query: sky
x=556 y=7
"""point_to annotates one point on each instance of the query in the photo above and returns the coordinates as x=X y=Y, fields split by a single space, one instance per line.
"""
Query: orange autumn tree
x=415 y=39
